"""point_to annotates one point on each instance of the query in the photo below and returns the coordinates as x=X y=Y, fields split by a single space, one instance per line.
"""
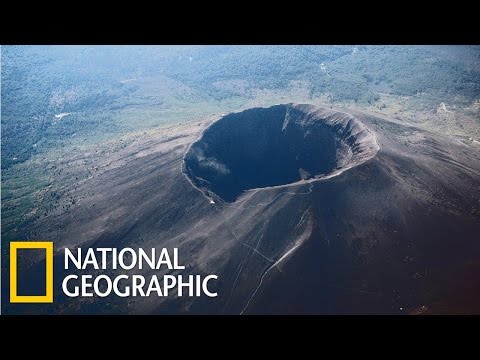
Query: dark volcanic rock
x=280 y=145
x=396 y=233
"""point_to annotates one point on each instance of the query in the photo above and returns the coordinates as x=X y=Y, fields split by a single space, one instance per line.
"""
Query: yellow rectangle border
x=48 y=246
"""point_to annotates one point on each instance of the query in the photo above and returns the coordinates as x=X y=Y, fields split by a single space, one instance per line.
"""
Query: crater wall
x=279 y=145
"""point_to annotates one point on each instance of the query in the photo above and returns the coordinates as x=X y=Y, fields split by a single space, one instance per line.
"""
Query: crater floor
x=279 y=145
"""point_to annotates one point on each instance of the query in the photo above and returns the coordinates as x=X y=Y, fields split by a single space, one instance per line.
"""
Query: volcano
x=298 y=209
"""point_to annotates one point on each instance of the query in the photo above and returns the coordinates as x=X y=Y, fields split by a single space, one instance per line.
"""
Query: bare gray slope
x=392 y=234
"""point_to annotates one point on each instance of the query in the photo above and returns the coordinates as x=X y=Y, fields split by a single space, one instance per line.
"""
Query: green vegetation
x=105 y=91
x=57 y=98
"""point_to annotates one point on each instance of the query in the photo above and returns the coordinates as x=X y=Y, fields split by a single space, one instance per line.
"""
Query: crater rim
x=349 y=132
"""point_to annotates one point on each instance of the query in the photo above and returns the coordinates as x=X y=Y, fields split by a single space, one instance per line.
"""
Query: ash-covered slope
x=396 y=233
x=274 y=146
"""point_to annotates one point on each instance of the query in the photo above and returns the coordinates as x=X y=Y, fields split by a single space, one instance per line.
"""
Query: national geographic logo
x=15 y=248
x=127 y=272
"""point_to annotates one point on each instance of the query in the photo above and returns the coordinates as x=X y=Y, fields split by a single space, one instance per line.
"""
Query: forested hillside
x=54 y=95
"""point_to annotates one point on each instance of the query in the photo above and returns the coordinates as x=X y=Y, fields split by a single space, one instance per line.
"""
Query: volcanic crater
x=276 y=146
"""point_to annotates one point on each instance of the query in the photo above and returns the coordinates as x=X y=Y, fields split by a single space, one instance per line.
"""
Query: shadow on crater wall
x=283 y=144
